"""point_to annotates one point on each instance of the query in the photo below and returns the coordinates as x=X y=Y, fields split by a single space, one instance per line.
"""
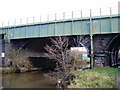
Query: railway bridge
x=103 y=32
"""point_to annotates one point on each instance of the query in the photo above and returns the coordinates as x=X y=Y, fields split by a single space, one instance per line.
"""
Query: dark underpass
x=42 y=62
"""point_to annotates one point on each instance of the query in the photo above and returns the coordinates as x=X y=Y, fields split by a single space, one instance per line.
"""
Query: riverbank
x=8 y=70
x=95 y=78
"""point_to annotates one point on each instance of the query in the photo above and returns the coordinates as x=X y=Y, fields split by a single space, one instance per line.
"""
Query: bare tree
x=74 y=54
x=82 y=40
x=59 y=52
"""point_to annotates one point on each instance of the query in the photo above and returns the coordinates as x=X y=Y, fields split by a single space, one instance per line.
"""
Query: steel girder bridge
x=104 y=33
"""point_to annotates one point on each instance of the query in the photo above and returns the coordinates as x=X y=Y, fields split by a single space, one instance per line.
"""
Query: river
x=26 y=80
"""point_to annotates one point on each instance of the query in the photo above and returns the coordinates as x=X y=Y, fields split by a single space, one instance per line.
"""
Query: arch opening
x=81 y=57
x=114 y=51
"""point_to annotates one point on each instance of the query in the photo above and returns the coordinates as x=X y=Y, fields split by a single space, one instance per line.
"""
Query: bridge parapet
x=65 y=25
x=62 y=16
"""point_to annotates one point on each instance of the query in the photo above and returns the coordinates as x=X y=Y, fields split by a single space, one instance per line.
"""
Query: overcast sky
x=11 y=9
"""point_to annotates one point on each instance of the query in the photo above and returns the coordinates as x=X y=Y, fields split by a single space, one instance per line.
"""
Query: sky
x=16 y=9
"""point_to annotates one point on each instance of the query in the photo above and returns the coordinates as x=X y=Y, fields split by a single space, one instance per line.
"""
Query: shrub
x=19 y=61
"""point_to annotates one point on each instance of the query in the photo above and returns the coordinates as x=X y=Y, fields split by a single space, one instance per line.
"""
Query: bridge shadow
x=42 y=62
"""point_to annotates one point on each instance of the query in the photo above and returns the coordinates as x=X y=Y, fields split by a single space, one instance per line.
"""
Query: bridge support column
x=91 y=42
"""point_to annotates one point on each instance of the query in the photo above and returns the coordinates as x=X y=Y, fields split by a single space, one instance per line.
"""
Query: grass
x=95 y=78
x=8 y=70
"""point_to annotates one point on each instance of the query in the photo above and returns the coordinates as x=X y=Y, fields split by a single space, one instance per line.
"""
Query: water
x=26 y=80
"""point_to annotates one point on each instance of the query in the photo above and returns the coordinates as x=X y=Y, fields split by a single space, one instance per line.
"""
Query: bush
x=77 y=64
x=19 y=61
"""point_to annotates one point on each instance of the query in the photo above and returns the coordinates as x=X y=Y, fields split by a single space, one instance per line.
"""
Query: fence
x=60 y=16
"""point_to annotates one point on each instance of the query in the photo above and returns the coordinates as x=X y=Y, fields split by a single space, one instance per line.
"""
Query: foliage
x=19 y=60
x=95 y=78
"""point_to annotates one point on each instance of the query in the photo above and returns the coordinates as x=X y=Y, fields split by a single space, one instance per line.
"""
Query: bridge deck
x=100 y=25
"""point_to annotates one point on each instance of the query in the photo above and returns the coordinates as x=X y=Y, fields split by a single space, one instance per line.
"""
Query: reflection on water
x=26 y=80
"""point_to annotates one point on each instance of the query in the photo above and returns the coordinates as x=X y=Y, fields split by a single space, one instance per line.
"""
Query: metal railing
x=60 y=16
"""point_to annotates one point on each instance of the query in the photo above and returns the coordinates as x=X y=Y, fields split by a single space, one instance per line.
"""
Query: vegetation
x=78 y=64
x=95 y=78
x=65 y=62
x=18 y=61
x=59 y=52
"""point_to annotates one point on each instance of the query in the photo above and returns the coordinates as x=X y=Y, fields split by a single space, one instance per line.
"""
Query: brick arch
x=113 y=48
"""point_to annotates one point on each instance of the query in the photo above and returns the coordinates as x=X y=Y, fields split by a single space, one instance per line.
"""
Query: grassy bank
x=95 y=78
x=8 y=70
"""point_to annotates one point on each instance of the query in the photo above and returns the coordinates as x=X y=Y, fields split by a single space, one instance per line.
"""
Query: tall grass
x=95 y=78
